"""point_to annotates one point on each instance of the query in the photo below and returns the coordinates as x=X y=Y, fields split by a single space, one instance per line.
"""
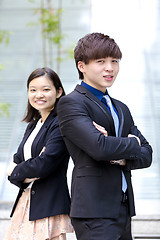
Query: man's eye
x=115 y=60
x=100 y=61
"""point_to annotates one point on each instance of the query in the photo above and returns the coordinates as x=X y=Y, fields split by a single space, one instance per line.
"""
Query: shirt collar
x=93 y=90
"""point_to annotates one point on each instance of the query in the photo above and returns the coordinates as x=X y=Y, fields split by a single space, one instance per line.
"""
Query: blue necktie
x=116 y=125
x=113 y=113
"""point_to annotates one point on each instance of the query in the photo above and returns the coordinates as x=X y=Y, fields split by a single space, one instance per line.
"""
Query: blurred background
x=41 y=33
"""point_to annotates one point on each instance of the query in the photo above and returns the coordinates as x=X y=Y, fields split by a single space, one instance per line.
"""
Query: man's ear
x=81 y=66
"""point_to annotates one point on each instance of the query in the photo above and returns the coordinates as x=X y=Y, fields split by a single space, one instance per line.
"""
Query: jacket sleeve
x=17 y=157
x=145 y=158
x=45 y=164
x=77 y=127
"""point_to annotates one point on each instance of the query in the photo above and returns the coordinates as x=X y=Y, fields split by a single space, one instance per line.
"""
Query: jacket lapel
x=96 y=101
x=120 y=116
x=41 y=133
x=26 y=135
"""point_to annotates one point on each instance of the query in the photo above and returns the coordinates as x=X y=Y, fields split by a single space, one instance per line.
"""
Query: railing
x=146 y=236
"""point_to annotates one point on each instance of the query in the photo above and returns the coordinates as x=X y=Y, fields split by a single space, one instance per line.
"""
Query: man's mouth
x=108 y=77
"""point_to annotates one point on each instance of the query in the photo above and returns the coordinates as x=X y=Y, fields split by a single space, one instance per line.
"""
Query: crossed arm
x=77 y=128
x=121 y=162
x=10 y=169
x=12 y=166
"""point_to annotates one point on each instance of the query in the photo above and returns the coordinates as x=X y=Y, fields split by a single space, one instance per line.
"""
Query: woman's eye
x=46 y=89
x=32 y=90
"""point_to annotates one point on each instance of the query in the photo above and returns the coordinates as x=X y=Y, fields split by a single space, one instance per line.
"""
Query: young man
x=104 y=144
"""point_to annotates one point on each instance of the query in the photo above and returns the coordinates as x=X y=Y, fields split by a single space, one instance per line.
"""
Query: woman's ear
x=59 y=92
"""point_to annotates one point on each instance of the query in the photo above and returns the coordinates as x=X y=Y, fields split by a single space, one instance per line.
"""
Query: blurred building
x=22 y=55
x=135 y=25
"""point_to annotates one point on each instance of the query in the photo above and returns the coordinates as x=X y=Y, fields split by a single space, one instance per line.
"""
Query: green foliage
x=4 y=36
x=70 y=52
x=49 y=18
x=1 y=67
x=51 y=21
x=4 y=109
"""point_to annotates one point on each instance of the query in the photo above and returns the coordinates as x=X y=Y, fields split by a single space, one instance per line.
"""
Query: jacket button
x=33 y=192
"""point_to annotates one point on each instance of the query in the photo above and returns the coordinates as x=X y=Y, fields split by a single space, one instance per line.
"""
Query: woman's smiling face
x=42 y=95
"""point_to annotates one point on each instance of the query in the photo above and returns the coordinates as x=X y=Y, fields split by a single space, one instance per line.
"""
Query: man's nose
x=108 y=66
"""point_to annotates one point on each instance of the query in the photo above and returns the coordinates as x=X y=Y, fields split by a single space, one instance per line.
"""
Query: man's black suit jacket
x=49 y=194
x=96 y=183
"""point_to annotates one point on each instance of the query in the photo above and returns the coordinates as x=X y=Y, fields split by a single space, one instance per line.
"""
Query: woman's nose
x=39 y=94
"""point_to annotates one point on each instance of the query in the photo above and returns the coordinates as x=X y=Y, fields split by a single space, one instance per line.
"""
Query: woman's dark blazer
x=49 y=194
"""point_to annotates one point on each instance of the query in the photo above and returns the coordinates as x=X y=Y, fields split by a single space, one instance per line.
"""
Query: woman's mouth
x=40 y=102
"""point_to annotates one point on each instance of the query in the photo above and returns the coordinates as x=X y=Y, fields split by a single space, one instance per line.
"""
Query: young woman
x=39 y=167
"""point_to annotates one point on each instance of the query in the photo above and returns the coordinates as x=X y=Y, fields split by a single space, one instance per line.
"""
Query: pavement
x=142 y=226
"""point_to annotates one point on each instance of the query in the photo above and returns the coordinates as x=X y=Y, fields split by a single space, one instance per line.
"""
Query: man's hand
x=101 y=129
x=131 y=135
x=121 y=162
